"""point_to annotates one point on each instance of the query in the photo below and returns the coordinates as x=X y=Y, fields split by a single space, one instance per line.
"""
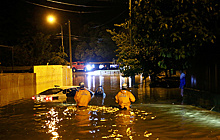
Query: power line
x=71 y=4
x=78 y=37
x=79 y=12
x=6 y=46
x=109 y=20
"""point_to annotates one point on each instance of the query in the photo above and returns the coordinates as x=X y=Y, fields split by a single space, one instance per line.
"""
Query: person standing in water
x=182 y=81
x=124 y=98
x=82 y=96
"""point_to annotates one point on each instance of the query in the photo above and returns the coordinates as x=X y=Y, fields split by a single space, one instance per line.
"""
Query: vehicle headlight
x=89 y=67
x=101 y=66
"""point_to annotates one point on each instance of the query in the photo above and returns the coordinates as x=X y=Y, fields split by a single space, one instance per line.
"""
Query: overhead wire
x=75 y=11
x=59 y=9
x=65 y=10
x=109 y=20
x=77 y=5
x=76 y=37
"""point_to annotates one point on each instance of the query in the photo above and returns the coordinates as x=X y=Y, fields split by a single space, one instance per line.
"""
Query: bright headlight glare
x=101 y=66
x=88 y=67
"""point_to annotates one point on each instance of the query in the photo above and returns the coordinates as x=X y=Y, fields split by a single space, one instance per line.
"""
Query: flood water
x=157 y=114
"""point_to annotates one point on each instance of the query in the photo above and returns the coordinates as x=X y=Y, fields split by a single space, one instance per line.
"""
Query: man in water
x=82 y=96
x=124 y=98
x=182 y=81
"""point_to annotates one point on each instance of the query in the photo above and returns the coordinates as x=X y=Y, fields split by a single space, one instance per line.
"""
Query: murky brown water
x=143 y=93
x=158 y=114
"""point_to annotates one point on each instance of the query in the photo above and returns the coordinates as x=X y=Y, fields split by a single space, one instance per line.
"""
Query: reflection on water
x=93 y=81
x=142 y=91
x=28 y=120
x=94 y=122
x=143 y=121
x=156 y=115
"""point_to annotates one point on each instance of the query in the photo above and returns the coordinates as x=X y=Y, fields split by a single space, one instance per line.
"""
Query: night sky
x=18 y=16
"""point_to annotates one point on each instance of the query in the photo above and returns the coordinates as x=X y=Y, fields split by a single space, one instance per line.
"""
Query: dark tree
x=37 y=50
x=95 y=45
x=165 y=34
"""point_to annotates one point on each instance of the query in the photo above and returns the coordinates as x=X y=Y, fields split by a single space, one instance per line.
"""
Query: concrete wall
x=15 y=86
x=50 y=75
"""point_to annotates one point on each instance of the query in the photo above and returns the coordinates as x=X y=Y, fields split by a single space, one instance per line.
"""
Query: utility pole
x=130 y=22
x=70 y=48
x=131 y=42
x=62 y=36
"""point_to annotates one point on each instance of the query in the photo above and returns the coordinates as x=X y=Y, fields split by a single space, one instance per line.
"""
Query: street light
x=51 y=19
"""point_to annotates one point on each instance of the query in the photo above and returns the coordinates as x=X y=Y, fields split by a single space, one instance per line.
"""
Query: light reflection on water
x=94 y=122
x=28 y=120
x=156 y=115
x=112 y=84
x=142 y=122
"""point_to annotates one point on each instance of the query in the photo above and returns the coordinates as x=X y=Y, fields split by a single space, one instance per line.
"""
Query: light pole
x=130 y=23
x=70 y=48
x=51 y=19
x=131 y=41
x=62 y=36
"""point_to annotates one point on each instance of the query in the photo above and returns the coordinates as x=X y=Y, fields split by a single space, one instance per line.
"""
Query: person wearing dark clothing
x=182 y=81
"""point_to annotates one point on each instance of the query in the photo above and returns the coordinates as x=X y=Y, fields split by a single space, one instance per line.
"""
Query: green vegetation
x=96 y=45
x=37 y=50
x=166 y=34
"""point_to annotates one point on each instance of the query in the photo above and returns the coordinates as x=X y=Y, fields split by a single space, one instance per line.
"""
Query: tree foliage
x=95 y=45
x=37 y=50
x=165 y=34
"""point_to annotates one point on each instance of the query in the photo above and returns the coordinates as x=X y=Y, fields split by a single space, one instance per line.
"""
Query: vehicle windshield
x=81 y=64
x=51 y=91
